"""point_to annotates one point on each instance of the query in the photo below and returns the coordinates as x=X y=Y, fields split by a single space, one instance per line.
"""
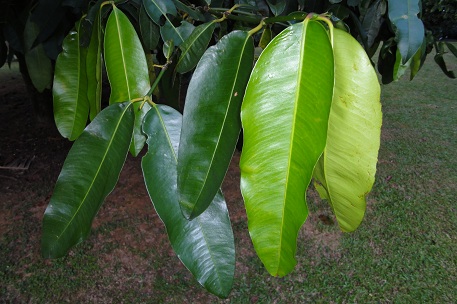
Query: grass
x=405 y=250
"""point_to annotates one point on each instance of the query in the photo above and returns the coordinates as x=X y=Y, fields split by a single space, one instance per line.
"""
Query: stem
x=254 y=19
x=156 y=82
x=324 y=18
x=256 y=29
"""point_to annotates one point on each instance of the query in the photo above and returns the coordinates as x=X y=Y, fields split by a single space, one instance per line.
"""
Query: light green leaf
x=127 y=69
x=205 y=245
x=347 y=168
x=409 y=29
x=89 y=174
x=284 y=116
x=71 y=106
x=211 y=121
x=94 y=69
x=176 y=34
x=194 y=46
x=38 y=64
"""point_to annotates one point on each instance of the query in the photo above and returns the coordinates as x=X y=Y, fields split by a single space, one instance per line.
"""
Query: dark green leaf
x=194 y=46
x=285 y=116
x=266 y=37
x=442 y=64
x=451 y=48
x=94 y=69
x=39 y=66
x=194 y=14
x=372 y=20
x=409 y=29
x=127 y=69
x=150 y=32
x=205 y=245
x=158 y=8
x=277 y=6
x=89 y=174
x=176 y=34
x=211 y=123
x=71 y=106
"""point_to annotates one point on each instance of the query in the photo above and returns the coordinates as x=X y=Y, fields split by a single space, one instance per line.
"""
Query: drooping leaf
x=347 y=168
x=373 y=20
x=418 y=60
x=158 y=8
x=94 y=68
x=451 y=48
x=39 y=65
x=71 y=106
x=205 y=245
x=211 y=123
x=127 y=69
x=386 y=61
x=150 y=32
x=89 y=174
x=176 y=34
x=284 y=116
x=400 y=67
x=409 y=29
x=442 y=64
x=194 y=46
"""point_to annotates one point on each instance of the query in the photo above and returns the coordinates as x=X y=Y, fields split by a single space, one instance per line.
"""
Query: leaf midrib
x=83 y=201
x=223 y=123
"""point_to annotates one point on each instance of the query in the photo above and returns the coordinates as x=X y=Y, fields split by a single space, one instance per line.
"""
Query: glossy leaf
x=205 y=245
x=194 y=46
x=89 y=174
x=409 y=29
x=277 y=6
x=158 y=8
x=94 y=68
x=150 y=32
x=127 y=69
x=39 y=65
x=284 y=116
x=211 y=123
x=347 y=167
x=71 y=106
x=176 y=34
x=193 y=13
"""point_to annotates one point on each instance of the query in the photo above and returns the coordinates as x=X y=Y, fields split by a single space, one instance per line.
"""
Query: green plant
x=309 y=108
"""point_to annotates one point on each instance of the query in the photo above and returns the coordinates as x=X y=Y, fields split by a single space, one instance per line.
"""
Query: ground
x=128 y=253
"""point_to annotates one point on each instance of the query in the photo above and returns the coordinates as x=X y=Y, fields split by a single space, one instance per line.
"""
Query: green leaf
x=266 y=37
x=409 y=29
x=176 y=34
x=127 y=69
x=89 y=174
x=150 y=32
x=442 y=64
x=373 y=20
x=94 y=69
x=347 y=167
x=38 y=64
x=158 y=8
x=277 y=6
x=211 y=123
x=193 y=13
x=194 y=46
x=284 y=116
x=205 y=245
x=451 y=48
x=71 y=106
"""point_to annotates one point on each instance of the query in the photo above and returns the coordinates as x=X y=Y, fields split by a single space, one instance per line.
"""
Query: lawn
x=404 y=252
